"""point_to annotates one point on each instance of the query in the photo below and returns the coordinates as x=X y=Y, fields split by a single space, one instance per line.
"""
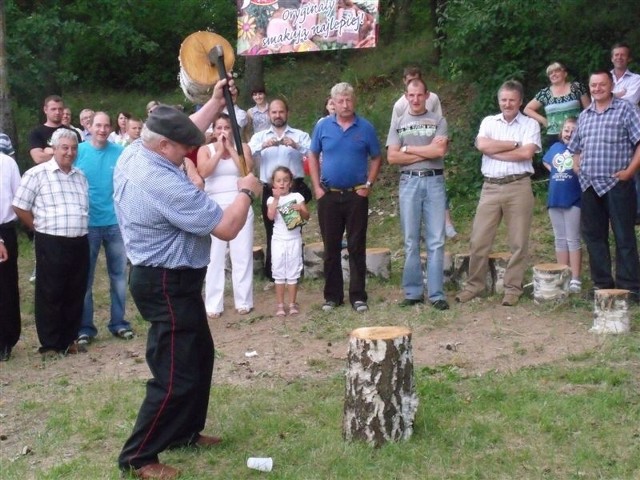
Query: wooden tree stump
x=258 y=260
x=460 y=269
x=314 y=260
x=380 y=399
x=379 y=262
x=461 y=273
x=498 y=263
x=610 y=311
x=447 y=267
x=550 y=282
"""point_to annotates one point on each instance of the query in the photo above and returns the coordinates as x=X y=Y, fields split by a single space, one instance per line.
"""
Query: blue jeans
x=422 y=202
x=116 y=257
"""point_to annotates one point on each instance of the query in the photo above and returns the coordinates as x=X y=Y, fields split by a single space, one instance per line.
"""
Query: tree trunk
x=7 y=124
x=254 y=77
x=380 y=399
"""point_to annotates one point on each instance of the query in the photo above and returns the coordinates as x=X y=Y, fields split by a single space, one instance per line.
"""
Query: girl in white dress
x=289 y=213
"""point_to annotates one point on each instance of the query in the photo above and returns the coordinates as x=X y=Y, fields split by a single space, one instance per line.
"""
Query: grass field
x=577 y=418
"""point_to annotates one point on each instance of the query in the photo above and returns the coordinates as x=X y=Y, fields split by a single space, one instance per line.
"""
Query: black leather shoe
x=408 y=302
x=440 y=305
x=5 y=354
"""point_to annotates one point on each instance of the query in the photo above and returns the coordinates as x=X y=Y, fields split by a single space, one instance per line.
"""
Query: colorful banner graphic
x=266 y=27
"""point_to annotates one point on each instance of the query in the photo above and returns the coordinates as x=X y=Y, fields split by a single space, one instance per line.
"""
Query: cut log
x=258 y=260
x=610 y=311
x=461 y=273
x=380 y=399
x=460 y=269
x=314 y=260
x=498 y=263
x=550 y=282
x=379 y=262
x=447 y=267
x=197 y=76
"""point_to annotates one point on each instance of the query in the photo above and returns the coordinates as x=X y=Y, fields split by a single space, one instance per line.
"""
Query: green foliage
x=486 y=42
x=64 y=45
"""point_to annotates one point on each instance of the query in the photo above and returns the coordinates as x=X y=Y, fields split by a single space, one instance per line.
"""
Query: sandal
x=280 y=310
x=294 y=309
x=244 y=311
x=214 y=315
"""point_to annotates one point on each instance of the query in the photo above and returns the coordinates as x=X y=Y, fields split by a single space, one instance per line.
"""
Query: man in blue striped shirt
x=166 y=224
x=606 y=155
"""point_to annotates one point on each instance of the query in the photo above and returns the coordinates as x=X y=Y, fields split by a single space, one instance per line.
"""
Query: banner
x=266 y=27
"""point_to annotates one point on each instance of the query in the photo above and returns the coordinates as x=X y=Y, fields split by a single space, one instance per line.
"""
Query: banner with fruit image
x=266 y=27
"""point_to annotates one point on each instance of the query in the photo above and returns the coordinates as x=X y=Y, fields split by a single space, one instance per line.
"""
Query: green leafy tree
x=485 y=42
x=57 y=45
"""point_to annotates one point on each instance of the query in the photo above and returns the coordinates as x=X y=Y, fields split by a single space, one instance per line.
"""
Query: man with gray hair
x=507 y=142
x=166 y=224
x=86 y=116
x=350 y=165
x=53 y=200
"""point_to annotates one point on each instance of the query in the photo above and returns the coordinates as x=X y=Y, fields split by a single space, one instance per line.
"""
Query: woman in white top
x=219 y=165
x=119 y=133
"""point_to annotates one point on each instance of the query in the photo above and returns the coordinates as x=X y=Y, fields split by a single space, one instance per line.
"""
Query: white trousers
x=286 y=260
x=241 y=254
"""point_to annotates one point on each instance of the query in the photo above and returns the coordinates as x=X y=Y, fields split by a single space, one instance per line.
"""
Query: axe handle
x=218 y=53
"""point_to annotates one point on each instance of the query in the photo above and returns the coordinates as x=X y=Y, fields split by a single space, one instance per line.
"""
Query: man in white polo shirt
x=507 y=142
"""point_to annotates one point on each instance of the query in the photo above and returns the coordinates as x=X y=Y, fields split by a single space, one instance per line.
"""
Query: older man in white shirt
x=507 y=142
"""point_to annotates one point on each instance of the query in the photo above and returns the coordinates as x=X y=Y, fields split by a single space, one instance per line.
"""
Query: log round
x=550 y=282
x=313 y=260
x=379 y=262
x=380 y=399
x=197 y=75
x=610 y=311
x=498 y=263
x=258 y=260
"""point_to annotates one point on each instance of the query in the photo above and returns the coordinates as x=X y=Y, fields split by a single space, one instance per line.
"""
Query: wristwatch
x=404 y=149
x=516 y=145
x=252 y=196
x=369 y=184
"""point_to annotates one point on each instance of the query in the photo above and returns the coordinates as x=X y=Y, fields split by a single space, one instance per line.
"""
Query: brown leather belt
x=506 y=179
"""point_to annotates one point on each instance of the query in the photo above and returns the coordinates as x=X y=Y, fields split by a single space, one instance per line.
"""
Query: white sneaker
x=575 y=286
x=450 y=231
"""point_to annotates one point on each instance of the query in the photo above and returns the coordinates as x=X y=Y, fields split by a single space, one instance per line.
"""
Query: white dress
x=222 y=187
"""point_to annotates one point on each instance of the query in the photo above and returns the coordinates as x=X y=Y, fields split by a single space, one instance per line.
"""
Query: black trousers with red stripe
x=180 y=356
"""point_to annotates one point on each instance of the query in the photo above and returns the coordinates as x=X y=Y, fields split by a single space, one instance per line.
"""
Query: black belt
x=423 y=173
x=346 y=190
x=506 y=179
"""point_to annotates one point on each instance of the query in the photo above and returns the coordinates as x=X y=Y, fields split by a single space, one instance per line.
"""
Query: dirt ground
x=262 y=349
x=477 y=337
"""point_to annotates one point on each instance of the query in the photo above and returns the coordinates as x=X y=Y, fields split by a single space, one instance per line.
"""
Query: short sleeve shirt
x=418 y=130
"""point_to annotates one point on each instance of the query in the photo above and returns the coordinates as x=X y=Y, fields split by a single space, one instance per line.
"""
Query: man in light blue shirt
x=97 y=159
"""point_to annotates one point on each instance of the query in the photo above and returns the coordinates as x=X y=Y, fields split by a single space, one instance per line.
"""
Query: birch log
x=380 y=398
x=610 y=311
